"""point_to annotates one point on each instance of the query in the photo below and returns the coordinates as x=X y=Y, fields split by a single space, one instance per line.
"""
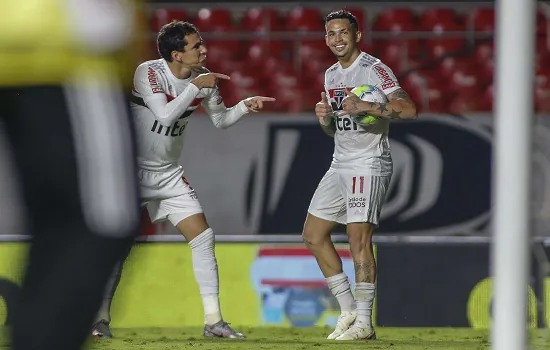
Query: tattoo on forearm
x=399 y=94
x=365 y=271
x=395 y=114
x=329 y=129
x=382 y=108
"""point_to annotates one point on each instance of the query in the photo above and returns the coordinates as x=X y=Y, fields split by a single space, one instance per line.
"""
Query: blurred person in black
x=62 y=67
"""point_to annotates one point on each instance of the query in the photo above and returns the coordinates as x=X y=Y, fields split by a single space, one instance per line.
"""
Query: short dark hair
x=343 y=14
x=171 y=37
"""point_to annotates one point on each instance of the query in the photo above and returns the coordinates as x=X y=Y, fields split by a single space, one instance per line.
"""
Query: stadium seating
x=442 y=56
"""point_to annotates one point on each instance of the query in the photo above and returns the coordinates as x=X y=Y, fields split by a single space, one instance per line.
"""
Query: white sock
x=205 y=267
x=340 y=288
x=364 y=297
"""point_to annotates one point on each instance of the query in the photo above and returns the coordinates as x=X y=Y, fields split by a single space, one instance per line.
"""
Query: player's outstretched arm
x=399 y=106
x=224 y=117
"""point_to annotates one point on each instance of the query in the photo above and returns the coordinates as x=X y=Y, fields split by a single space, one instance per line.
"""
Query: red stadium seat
x=463 y=104
x=437 y=94
x=213 y=20
x=431 y=16
x=257 y=51
x=442 y=26
x=226 y=66
x=414 y=85
x=486 y=72
x=403 y=16
x=438 y=47
x=486 y=101
x=313 y=49
x=395 y=25
x=441 y=20
x=244 y=83
x=285 y=77
x=393 y=55
x=162 y=16
x=304 y=19
x=483 y=19
x=484 y=51
x=289 y=88
x=407 y=47
x=450 y=64
x=222 y=47
x=258 y=19
x=312 y=68
x=244 y=78
x=465 y=82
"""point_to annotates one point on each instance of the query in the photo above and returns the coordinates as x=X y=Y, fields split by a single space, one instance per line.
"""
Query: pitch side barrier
x=423 y=281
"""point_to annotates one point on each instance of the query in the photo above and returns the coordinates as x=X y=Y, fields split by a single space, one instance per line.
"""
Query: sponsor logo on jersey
x=153 y=81
x=385 y=77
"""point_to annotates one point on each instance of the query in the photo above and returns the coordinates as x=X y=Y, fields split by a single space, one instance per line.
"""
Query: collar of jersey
x=355 y=63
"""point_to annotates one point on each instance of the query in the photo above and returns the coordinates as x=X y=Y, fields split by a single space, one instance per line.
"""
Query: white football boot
x=358 y=331
x=345 y=319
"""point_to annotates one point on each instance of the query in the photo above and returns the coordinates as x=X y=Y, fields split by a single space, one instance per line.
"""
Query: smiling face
x=342 y=39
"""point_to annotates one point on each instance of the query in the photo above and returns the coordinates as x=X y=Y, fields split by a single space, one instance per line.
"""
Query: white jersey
x=359 y=148
x=161 y=106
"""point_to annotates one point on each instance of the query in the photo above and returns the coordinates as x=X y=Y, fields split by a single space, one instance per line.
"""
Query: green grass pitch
x=307 y=338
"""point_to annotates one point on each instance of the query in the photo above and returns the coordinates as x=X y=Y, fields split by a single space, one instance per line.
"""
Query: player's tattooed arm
x=330 y=126
x=399 y=106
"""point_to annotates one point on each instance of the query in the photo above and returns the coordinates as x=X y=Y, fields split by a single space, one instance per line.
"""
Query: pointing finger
x=221 y=76
x=264 y=99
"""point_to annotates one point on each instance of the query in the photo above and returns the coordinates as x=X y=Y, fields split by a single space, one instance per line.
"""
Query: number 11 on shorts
x=361 y=184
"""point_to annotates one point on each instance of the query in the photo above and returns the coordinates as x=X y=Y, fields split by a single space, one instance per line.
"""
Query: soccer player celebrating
x=352 y=191
x=166 y=92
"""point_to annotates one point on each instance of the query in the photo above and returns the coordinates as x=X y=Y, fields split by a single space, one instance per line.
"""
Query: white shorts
x=168 y=195
x=347 y=198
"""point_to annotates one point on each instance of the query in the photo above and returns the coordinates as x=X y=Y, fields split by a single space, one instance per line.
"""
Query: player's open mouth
x=339 y=47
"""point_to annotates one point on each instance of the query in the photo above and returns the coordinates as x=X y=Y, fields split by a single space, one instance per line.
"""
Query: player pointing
x=353 y=190
x=166 y=91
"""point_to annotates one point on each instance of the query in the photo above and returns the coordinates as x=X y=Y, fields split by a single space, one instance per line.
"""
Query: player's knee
x=312 y=237
x=308 y=237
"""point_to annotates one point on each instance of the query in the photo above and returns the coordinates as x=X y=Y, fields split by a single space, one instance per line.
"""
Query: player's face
x=341 y=38
x=194 y=54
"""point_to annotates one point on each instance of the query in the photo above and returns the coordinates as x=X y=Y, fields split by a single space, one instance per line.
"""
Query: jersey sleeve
x=383 y=78
x=148 y=87
x=146 y=81
x=221 y=116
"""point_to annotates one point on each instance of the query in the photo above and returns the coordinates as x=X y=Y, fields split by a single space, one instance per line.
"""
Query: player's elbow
x=221 y=125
